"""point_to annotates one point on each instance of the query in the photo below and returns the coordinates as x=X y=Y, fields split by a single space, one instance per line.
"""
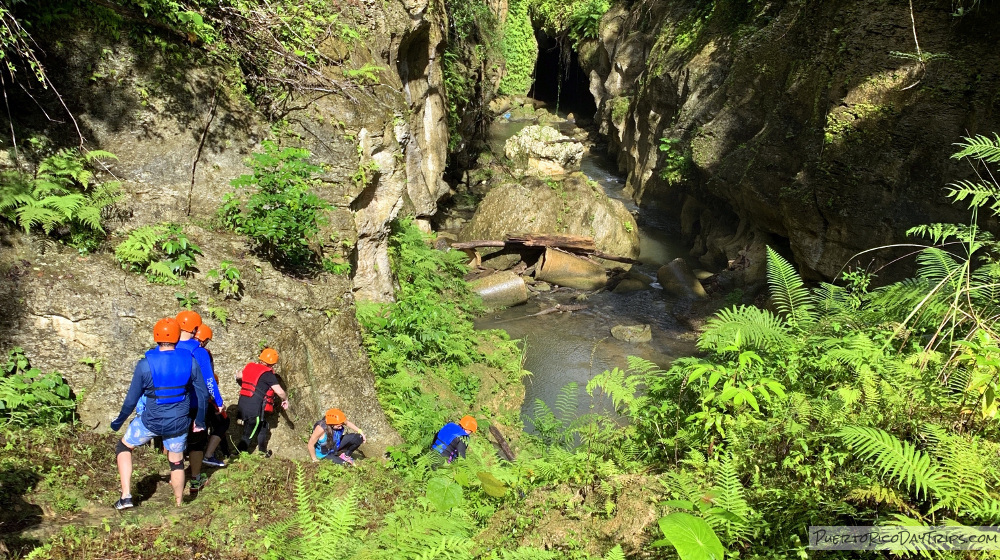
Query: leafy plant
x=217 y=312
x=691 y=537
x=227 y=278
x=676 y=161
x=320 y=524
x=187 y=300
x=61 y=197
x=366 y=75
x=162 y=252
x=281 y=213
x=29 y=397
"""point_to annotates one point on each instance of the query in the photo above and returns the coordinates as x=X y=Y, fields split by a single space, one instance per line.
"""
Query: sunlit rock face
x=181 y=137
x=544 y=150
x=815 y=129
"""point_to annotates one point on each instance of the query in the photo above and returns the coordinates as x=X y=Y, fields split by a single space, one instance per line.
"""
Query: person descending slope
x=189 y=322
x=258 y=385
x=218 y=420
x=330 y=439
x=452 y=439
x=168 y=377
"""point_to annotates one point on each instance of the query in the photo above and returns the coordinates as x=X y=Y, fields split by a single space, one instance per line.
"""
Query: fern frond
x=757 y=328
x=567 y=401
x=789 y=293
x=899 y=460
x=880 y=495
x=615 y=553
x=980 y=147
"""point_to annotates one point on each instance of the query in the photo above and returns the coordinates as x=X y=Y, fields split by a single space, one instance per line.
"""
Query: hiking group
x=175 y=395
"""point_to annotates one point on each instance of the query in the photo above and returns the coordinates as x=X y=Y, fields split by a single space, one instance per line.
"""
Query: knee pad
x=178 y=466
x=121 y=448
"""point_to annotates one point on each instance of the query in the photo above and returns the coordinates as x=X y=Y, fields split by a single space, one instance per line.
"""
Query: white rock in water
x=545 y=149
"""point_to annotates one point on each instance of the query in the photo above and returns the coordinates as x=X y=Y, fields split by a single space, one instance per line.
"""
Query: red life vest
x=248 y=388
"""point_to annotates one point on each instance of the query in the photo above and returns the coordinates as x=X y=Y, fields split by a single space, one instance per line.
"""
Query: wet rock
x=630 y=285
x=677 y=279
x=573 y=207
x=544 y=149
x=538 y=286
x=502 y=289
x=565 y=269
x=632 y=333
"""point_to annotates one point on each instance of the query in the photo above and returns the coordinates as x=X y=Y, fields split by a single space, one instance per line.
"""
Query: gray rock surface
x=544 y=149
x=676 y=278
x=798 y=125
x=632 y=333
x=62 y=308
x=573 y=207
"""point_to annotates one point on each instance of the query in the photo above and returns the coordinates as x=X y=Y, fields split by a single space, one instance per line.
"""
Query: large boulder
x=575 y=206
x=545 y=150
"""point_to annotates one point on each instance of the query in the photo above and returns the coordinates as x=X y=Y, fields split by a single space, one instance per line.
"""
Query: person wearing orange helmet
x=189 y=322
x=452 y=440
x=218 y=423
x=168 y=377
x=331 y=440
x=258 y=385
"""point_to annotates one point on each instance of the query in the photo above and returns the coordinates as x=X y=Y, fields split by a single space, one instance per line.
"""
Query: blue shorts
x=138 y=434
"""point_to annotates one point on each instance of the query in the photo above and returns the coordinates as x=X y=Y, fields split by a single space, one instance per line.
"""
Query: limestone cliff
x=816 y=125
x=181 y=135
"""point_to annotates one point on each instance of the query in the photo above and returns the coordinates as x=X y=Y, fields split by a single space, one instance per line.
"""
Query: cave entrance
x=559 y=80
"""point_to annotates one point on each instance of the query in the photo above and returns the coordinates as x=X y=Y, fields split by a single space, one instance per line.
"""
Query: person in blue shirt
x=168 y=377
x=189 y=322
x=330 y=439
x=218 y=423
x=452 y=440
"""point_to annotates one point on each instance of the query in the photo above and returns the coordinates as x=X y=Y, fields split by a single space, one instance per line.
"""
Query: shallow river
x=567 y=347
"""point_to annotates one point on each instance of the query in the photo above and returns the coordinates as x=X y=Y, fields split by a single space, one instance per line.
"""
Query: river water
x=561 y=348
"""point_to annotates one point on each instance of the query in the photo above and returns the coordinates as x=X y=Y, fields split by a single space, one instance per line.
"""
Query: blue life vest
x=446 y=435
x=329 y=441
x=171 y=372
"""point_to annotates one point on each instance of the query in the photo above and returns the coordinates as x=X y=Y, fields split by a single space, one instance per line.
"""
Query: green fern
x=615 y=553
x=788 y=291
x=60 y=195
x=319 y=525
x=757 y=328
x=899 y=460
x=980 y=147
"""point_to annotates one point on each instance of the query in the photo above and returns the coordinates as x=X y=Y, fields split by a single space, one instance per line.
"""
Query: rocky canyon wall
x=819 y=127
x=181 y=135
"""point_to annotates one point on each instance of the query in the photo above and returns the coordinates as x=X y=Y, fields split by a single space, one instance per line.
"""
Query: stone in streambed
x=677 y=279
x=632 y=333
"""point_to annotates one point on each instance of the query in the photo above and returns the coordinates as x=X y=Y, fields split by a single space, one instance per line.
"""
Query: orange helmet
x=188 y=320
x=468 y=424
x=269 y=356
x=204 y=333
x=166 y=330
x=335 y=416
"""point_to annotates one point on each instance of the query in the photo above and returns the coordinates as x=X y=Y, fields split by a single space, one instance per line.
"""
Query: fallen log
x=571 y=243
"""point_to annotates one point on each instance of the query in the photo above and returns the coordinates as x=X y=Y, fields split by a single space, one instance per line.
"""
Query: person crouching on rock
x=331 y=440
x=258 y=385
x=452 y=440
x=168 y=377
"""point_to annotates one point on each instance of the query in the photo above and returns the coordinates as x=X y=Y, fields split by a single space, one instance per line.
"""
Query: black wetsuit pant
x=455 y=449
x=349 y=443
x=256 y=431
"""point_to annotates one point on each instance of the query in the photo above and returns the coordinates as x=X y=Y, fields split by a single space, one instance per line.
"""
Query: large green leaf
x=691 y=536
x=444 y=493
